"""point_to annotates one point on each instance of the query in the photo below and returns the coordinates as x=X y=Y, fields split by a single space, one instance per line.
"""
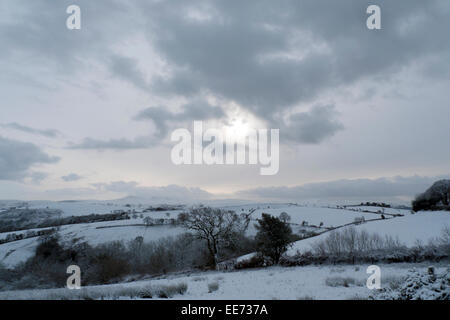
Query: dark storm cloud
x=17 y=158
x=49 y=133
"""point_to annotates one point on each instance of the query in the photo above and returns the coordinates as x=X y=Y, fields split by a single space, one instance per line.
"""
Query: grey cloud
x=249 y=55
x=240 y=53
x=141 y=142
x=127 y=69
x=165 y=119
x=225 y=57
x=133 y=191
x=17 y=158
x=37 y=29
x=71 y=177
x=268 y=60
x=37 y=177
x=49 y=133
x=395 y=189
x=170 y=192
x=73 y=193
x=117 y=186
x=313 y=126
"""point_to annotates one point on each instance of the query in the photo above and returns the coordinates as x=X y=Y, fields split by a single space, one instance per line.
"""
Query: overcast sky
x=363 y=114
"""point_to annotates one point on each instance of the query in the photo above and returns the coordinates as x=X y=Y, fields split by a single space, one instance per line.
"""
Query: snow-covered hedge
x=419 y=286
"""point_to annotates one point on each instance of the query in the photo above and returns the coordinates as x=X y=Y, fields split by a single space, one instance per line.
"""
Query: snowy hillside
x=14 y=252
x=408 y=229
x=422 y=226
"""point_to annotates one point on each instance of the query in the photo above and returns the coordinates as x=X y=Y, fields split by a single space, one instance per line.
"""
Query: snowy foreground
x=341 y=282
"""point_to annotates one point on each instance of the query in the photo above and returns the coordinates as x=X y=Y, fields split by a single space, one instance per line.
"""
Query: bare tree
x=148 y=221
x=285 y=217
x=216 y=226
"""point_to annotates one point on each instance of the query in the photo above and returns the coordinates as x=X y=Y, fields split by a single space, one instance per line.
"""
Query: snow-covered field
x=70 y=208
x=330 y=217
x=14 y=252
x=409 y=228
x=422 y=226
x=310 y=282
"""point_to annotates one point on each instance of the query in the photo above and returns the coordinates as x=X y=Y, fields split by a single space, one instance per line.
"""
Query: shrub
x=392 y=282
x=169 y=291
x=148 y=291
x=340 y=282
x=302 y=259
x=167 y=254
x=240 y=246
x=419 y=285
x=285 y=217
x=182 y=288
x=257 y=261
x=213 y=286
x=199 y=279
x=4 y=273
x=110 y=267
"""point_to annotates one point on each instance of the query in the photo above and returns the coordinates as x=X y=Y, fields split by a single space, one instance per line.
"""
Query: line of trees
x=9 y=225
x=350 y=246
x=26 y=235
